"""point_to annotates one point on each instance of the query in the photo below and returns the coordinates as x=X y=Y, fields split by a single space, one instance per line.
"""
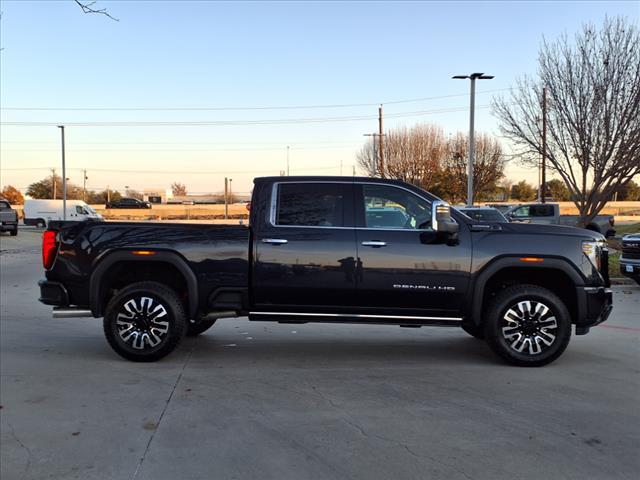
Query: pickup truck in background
x=549 y=214
x=8 y=218
x=630 y=257
x=332 y=249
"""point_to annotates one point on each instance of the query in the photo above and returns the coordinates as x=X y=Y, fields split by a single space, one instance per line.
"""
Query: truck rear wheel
x=527 y=325
x=145 y=321
x=14 y=232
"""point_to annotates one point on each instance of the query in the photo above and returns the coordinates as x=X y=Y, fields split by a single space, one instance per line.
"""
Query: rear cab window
x=326 y=205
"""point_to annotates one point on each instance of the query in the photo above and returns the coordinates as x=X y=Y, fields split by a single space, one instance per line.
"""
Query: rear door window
x=312 y=205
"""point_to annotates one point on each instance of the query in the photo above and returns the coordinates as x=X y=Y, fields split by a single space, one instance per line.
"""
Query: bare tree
x=593 y=119
x=488 y=167
x=178 y=189
x=88 y=7
x=412 y=155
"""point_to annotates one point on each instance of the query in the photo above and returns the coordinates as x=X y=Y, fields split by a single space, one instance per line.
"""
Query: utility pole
x=53 y=179
x=380 y=141
x=108 y=194
x=84 y=185
x=543 y=188
x=287 y=160
x=226 y=198
x=340 y=167
x=64 y=177
x=472 y=142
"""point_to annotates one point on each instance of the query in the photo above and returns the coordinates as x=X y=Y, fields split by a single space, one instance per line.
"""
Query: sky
x=196 y=91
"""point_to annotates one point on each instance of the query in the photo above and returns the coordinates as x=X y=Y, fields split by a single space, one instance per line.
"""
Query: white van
x=40 y=212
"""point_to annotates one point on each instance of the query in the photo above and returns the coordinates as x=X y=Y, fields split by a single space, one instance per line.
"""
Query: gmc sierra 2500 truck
x=332 y=249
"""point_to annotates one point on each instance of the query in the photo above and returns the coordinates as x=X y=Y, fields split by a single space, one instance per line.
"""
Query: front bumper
x=630 y=268
x=53 y=293
x=6 y=226
x=594 y=305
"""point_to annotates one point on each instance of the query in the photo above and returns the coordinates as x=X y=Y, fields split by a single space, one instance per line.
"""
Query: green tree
x=630 y=192
x=96 y=198
x=558 y=190
x=51 y=187
x=523 y=191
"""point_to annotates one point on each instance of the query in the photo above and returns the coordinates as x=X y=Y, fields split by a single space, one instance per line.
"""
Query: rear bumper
x=595 y=305
x=53 y=293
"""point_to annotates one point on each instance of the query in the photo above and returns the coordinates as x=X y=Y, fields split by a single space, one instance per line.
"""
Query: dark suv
x=128 y=203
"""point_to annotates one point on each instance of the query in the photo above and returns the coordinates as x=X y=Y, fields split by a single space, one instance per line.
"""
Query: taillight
x=49 y=248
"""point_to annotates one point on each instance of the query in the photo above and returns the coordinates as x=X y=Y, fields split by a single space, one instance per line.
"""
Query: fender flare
x=501 y=263
x=111 y=258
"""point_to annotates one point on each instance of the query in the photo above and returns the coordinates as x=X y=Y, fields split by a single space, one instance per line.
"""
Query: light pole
x=287 y=160
x=472 y=144
x=64 y=177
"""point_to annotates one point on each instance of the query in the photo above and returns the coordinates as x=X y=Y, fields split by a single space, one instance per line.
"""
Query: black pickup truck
x=332 y=249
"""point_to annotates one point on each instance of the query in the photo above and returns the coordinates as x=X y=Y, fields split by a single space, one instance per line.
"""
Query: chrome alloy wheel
x=142 y=322
x=529 y=327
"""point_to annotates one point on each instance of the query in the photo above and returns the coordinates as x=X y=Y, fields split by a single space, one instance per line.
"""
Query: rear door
x=305 y=252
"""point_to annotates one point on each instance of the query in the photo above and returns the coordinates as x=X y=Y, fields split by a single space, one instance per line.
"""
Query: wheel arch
x=556 y=274
x=99 y=280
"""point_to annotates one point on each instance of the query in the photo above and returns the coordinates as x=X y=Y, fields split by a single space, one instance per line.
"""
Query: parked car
x=630 y=258
x=312 y=254
x=41 y=212
x=128 y=203
x=549 y=214
x=8 y=218
x=483 y=214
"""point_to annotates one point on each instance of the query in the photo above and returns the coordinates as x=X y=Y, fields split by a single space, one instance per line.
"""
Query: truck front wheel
x=527 y=325
x=145 y=321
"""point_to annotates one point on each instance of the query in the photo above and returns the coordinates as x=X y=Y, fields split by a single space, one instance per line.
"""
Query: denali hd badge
x=424 y=287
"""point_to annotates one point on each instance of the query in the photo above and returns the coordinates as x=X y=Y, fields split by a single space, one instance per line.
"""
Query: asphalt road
x=268 y=401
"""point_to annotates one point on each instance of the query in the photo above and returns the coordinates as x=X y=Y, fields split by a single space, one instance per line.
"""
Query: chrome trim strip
x=357 y=315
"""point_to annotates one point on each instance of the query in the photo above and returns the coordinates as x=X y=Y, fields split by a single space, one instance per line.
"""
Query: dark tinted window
x=4 y=205
x=311 y=204
x=392 y=207
x=486 y=215
x=541 y=210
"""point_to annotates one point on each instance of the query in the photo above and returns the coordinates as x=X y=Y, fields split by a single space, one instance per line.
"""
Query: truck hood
x=536 y=229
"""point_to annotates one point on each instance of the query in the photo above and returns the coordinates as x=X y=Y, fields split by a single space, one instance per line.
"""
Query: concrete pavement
x=251 y=400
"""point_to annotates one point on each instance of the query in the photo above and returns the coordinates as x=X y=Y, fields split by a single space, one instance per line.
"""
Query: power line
x=239 y=122
x=277 y=107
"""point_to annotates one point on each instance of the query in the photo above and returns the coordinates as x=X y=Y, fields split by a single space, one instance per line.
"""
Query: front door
x=405 y=267
x=305 y=252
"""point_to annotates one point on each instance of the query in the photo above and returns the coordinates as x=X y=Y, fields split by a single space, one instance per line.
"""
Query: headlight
x=592 y=251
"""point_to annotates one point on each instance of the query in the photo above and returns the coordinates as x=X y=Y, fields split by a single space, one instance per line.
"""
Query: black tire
x=196 y=327
x=40 y=223
x=133 y=338
x=14 y=232
x=521 y=332
x=474 y=331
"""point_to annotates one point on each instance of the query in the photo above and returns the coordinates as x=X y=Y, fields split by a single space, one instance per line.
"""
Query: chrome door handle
x=374 y=243
x=274 y=241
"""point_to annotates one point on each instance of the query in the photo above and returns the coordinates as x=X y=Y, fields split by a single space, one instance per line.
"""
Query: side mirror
x=441 y=220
